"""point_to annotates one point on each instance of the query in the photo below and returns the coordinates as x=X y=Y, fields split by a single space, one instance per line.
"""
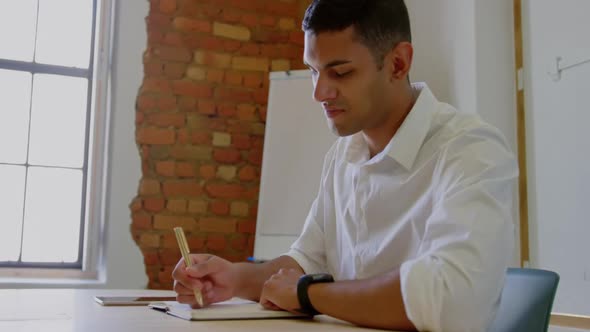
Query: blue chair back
x=526 y=301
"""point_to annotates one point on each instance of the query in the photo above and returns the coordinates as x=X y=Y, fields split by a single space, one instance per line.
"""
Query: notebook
x=227 y=310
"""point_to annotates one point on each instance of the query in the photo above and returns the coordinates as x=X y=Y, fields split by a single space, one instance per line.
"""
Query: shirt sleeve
x=455 y=282
x=309 y=249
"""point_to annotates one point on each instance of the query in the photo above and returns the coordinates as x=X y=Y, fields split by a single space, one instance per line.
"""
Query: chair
x=526 y=301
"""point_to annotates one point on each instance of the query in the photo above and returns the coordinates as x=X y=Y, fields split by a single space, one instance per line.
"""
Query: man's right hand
x=214 y=276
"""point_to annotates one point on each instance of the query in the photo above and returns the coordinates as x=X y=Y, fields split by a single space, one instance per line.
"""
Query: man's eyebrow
x=331 y=63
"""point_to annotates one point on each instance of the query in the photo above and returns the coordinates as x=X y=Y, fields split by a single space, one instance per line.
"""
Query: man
x=413 y=218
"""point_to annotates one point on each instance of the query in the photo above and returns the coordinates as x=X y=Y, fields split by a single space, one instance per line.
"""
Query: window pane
x=17 y=29
x=63 y=37
x=52 y=215
x=12 y=190
x=14 y=116
x=58 y=121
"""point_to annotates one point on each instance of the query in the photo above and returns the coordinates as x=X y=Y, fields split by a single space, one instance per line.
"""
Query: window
x=52 y=131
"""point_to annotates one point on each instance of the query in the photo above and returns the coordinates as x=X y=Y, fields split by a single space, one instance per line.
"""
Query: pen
x=183 y=245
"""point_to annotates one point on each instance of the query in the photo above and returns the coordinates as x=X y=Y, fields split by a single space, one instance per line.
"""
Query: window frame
x=90 y=266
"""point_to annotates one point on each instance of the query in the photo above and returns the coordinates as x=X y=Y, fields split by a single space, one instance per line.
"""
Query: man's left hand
x=280 y=291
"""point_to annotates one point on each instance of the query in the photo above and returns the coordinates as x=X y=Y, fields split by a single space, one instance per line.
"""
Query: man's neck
x=377 y=138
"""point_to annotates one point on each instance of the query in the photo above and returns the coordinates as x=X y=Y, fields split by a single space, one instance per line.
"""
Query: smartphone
x=131 y=300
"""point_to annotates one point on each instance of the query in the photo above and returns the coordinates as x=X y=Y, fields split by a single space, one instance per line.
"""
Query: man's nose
x=324 y=90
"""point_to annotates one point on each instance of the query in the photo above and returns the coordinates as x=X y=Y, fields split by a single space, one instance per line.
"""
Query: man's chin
x=340 y=130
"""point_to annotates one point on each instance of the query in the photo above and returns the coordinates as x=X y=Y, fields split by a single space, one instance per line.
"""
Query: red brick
x=167 y=6
x=167 y=103
x=255 y=157
x=227 y=156
x=231 y=191
x=165 y=168
x=206 y=107
x=269 y=50
x=231 y=45
x=184 y=169
x=253 y=80
x=217 y=225
x=167 y=119
x=149 y=240
x=187 y=104
x=149 y=187
x=260 y=96
x=268 y=21
x=157 y=20
x=187 y=88
x=211 y=43
x=150 y=257
x=215 y=75
x=280 y=8
x=195 y=242
x=233 y=78
x=155 y=85
x=165 y=222
x=241 y=141
x=216 y=242
x=173 y=39
x=297 y=38
x=192 y=25
x=246 y=112
x=155 y=36
x=239 y=243
x=141 y=221
x=247 y=173
x=240 y=128
x=181 y=188
x=230 y=16
x=176 y=205
x=207 y=171
x=153 y=68
x=219 y=208
x=227 y=110
x=217 y=125
x=165 y=275
x=174 y=70
x=262 y=111
x=146 y=103
x=183 y=136
x=251 y=49
x=136 y=204
x=173 y=54
x=247 y=226
x=237 y=95
x=155 y=136
x=169 y=256
x=250 y=20
x=169 y=241
x=154 y=204
x=201 y=138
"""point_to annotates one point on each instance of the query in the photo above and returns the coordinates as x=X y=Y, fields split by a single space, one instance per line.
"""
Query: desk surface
x=67 y=310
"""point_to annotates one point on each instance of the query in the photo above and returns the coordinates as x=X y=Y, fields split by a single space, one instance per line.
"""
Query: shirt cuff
x=416 y=294
x=306 y=264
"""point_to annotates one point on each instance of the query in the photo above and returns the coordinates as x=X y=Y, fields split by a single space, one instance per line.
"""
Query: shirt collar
x=407 y=141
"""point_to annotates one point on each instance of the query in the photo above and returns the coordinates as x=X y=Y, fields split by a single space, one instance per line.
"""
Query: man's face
x=347 y=81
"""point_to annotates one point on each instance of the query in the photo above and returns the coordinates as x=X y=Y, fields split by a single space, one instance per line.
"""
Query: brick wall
x=200 y=121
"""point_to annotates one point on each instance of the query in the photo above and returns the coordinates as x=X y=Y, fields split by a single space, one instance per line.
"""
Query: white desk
x=66 y=310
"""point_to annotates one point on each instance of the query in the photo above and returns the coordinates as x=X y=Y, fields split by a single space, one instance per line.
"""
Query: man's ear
x=400 y=61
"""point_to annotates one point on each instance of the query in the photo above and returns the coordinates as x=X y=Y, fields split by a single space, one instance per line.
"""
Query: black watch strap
x=302 y=291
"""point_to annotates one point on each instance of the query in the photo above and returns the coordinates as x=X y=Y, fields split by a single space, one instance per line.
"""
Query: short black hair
x=379 y=24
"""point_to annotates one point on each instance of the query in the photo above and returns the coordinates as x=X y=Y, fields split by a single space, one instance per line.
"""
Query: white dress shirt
x=436 y=203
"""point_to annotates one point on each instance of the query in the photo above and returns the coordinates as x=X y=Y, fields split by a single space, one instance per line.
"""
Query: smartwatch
x=302 y=286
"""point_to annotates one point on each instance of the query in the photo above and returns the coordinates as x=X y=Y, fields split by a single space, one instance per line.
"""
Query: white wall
x=558 y=145
x=124 y=262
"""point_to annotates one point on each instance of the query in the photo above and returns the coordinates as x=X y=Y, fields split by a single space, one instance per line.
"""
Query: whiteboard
x=296 y=140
